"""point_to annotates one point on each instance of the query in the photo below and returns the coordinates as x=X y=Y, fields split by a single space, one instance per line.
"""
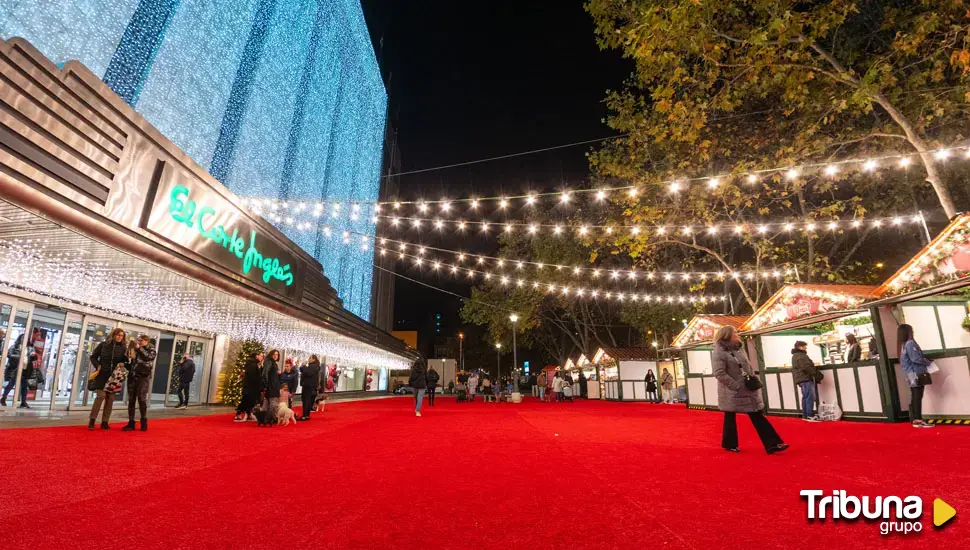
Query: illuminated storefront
x=105 y=223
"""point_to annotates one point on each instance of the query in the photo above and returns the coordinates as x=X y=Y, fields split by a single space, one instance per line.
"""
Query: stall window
x=699 y=361
x=938 y=326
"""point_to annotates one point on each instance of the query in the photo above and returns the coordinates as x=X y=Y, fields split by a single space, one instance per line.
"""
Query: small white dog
x=285 y=415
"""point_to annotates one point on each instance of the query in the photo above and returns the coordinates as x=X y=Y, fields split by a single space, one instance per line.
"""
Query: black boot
x=91 y=424
x=105 y=426
x=130 y=427
x=144 y=424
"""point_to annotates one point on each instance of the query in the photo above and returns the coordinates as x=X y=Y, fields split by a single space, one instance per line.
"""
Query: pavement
x=33 y=418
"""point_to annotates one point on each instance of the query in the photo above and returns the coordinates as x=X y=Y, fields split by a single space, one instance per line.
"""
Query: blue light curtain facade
x=276 y=98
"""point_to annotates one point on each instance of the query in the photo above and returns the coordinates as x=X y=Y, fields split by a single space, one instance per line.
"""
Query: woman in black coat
x=105 y=358
x=651 y=381
x=252 y=385
x=271 y=383
x=310 y=373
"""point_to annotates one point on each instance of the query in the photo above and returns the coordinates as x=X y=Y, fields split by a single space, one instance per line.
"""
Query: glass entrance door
x=188 y=349
x=13 y=324
x=63 y=382
x=94 y=332
x=42 y=356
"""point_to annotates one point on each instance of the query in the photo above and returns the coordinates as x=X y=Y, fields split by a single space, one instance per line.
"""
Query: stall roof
x=701 y=329
x=582 y=361
x=798 y=302
x=569 y=364
x=629 y=354
x=941 y=266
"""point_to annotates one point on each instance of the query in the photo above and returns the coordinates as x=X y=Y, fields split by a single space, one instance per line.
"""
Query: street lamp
x=515 y=359
x=498 y=360
x=461 y=351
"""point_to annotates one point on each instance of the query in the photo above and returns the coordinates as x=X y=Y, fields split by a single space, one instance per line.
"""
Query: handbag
x=752 y=382
x=92 y=378
x=924 y=379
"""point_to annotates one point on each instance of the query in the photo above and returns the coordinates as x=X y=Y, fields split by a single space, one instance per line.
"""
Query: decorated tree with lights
x=231 y=382
x=745 y=90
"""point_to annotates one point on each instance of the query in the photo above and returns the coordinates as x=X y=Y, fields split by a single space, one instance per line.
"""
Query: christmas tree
x=230 y=385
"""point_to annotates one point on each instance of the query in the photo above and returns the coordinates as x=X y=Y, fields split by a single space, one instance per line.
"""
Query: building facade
x=106 y=224
x=277 y=99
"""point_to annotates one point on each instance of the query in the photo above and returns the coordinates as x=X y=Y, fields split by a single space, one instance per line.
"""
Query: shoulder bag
x=924 y=379
x=751 y=382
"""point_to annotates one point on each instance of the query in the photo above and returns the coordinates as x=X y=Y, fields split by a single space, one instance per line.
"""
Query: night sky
x=470 y=80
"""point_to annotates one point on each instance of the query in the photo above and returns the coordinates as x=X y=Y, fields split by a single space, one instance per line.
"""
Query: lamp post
x=498 y=360
x=461 y=351
x=515 y=359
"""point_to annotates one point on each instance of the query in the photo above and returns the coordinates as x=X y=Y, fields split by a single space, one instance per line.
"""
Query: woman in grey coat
x=730 y=366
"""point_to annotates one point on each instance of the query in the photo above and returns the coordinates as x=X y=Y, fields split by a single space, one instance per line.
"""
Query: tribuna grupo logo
x=895 y=514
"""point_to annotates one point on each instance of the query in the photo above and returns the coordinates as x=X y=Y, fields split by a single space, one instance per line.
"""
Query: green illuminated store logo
x=183 y=210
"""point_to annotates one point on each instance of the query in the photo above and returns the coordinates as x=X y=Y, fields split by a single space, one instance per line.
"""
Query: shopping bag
x=933 y=368
x=829 y=412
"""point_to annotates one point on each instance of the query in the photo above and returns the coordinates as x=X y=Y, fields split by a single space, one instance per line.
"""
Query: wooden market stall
x=624 y=372
x=821 y=315
x=930 y=293
x=694 y=344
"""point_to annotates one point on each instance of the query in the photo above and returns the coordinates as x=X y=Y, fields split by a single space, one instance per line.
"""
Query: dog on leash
x=285 y=415
x=261 y=417
x=320 y=402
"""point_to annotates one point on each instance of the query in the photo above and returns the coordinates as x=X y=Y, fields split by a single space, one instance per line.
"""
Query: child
x=285 y=394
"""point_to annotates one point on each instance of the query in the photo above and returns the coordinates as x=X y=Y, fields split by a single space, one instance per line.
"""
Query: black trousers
x=916 y=403
x=184 y=393
x=308 y=398
x=431 y=396
x=248 y=401
x=769 y=437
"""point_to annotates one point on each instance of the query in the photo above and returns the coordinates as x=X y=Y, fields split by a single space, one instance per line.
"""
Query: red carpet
x=370 y=474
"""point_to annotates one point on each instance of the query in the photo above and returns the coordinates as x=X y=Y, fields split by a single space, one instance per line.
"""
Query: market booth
x=694 y=344
x=820 y=315
x=587 y=368
x=624 y=371
x=930 y=293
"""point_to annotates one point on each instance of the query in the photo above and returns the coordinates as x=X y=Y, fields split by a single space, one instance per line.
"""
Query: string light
x=505 y=280
x=159 y=296
x=593 y=272
x=675 y=184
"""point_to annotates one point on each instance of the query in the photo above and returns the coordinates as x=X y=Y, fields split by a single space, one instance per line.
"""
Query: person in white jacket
x=557 y=387
x=472 y=386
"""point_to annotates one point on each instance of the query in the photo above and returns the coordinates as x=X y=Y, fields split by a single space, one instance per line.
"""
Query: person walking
x=418 y=383
x=472 y=386
x=10 y=371
x=854 y=352
x=557 y=387
x=289 y=378
x=651 y=381
x=310 y=375
x=667 y=386
x=142 y=353
x=541 y=382
x=107 y=357
x=186 y=372
x=735 y=394
x=252 y=386
x=915 y=366
x=805 y=375
x=432 y=380
x=271 y=384
x=583 y=392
